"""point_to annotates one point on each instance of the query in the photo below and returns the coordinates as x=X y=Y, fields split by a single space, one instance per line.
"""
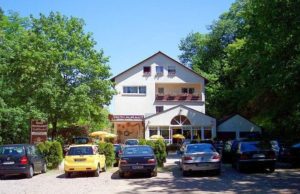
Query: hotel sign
x=39 y=130
x=127 y=117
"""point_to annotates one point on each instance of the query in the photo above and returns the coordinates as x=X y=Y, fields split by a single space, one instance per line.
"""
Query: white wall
x=238 y=124
x=141 y=105
x=196 y=118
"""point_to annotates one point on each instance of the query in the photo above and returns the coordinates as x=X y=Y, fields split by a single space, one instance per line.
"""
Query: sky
x=129 y=31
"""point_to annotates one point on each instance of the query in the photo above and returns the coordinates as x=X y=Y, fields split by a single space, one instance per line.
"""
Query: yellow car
x=84 y=158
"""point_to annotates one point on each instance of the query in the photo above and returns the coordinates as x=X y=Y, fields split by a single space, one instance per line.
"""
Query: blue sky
x=131 y=30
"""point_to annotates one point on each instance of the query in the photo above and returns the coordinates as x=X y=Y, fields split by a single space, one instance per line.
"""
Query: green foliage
x=50 y=70
x=52 y=151
x=108 y=150
x=159 y=148
x=251 y=57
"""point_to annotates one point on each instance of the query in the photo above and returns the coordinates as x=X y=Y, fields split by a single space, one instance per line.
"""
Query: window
x=134 y=90
x=152 y=131
x=159 y=109
x=142 y=89
x=161 y=90
x=159 y=70
x=147 y=70
x=171 y=70
x=187 y=90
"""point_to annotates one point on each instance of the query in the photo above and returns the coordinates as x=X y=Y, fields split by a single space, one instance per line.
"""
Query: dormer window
x=159 y=70
x=171 y=70
x=147 y=71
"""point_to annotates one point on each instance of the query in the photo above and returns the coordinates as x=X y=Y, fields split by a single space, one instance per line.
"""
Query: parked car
x=132 y=142
x=295 y=154
x=139 y=158
x=258 y=154
x=200 y=157
x=118 y=152
x=21 y=159
x=84 y=158
x=229 y=149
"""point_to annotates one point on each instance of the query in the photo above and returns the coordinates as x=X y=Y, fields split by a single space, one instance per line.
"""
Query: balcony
x=179 y=97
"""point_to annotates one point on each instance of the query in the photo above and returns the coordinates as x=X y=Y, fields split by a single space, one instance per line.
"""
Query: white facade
x=238 y=125
x=160 y=83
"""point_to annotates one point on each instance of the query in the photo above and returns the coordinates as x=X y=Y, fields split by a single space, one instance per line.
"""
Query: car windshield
x=12 y=150
x=137 y=150
x=193 y=148
x=255 y=146
x=131 y=142
x=84 y=150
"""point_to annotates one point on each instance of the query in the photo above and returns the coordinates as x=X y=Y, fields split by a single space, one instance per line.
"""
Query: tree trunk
x=54 y=129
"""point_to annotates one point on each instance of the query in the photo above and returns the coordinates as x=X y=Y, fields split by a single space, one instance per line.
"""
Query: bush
x=52 y=151
x=108 y=150
x=159 y=148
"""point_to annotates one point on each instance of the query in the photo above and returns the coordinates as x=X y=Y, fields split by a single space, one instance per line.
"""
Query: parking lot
x=169 y=180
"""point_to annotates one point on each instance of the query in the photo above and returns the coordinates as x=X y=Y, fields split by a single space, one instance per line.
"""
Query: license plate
x=137 y=167
x=258 y=156
x=8 y=163
x=80 y=160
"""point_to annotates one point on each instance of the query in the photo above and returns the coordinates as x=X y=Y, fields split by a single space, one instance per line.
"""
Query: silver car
x=200 y=157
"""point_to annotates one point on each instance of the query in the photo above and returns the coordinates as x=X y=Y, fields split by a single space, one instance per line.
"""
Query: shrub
x=52 y=151
x=108 y=150
x=159 y=148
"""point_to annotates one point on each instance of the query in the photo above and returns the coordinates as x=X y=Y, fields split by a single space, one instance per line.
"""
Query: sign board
x=127 y=117
x=39 y=130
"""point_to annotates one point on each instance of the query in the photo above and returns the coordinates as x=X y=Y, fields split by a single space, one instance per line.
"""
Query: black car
x=138 y=159
x=256 y=154
x=21 y=159
x=118 y=152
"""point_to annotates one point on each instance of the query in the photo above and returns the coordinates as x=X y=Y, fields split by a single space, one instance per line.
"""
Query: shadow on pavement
x=115 y=175
x=281 y=181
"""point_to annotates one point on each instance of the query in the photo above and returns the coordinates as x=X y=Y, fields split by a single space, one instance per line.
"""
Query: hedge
x=159 y=148
x=108 y=150
x=52 y=151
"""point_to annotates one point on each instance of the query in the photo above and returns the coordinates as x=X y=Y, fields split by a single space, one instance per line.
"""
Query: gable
x=183 y=74
x=238 y=123
x=195 y=117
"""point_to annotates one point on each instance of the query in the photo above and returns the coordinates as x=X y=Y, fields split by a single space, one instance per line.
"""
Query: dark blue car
x=21 y=159
x=138 y=159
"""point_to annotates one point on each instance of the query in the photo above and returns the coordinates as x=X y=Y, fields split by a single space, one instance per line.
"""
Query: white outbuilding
x=236 y=127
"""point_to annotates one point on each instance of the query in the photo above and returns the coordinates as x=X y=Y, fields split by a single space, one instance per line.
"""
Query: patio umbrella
x=156 y=137
x=178 y=136
x=98 y=133
x=110 y=135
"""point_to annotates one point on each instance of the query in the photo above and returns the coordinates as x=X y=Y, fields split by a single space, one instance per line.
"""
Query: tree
x=252 y=54
x=51 y=70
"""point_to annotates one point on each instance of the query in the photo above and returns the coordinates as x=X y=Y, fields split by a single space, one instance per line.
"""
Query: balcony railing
x=180 y=97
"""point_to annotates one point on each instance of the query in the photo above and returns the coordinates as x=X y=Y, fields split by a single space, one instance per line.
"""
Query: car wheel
x=104 y=168
x=67 y=174
x=97 y=172
x=30 y=172
x=121 y=174
x=238 y=167
x=44 y=168
x=184 y=173
x=218 y=172
x=271 y=169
